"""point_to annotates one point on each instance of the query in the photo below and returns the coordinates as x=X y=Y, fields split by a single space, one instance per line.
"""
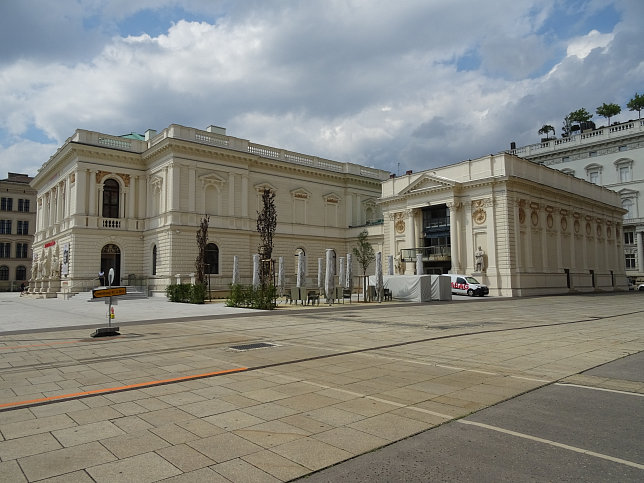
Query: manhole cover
x=246 y=347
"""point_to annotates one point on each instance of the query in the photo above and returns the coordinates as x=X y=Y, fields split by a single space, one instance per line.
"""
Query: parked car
x=465 y=285
x=640 y=287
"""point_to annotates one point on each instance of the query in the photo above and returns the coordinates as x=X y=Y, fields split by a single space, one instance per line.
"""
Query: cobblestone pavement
x=175 y=401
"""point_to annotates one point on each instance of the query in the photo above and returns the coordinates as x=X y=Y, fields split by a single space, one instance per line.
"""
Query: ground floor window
x=212 y=258
x=4 y=272
x=21 y=273
x=630 y=261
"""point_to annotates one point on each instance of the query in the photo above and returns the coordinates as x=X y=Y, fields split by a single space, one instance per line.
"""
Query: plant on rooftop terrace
x=636 y=104
x=608 y=110
x=545 y=129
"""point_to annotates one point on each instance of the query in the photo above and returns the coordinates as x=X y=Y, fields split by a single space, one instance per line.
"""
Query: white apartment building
x=612 y=157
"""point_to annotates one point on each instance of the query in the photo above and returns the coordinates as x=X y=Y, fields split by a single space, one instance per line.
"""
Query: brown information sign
x=108 y=292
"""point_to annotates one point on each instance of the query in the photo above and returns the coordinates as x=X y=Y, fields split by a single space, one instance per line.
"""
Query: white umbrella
x=256 y=270
x=320 y=275
x=349 y=284
x=300 y=269
x=419 y=264
x=235 y=270
x=280 y=275
x=329 y=288
x=342 y=275
x=390 y=264
x=379 y=281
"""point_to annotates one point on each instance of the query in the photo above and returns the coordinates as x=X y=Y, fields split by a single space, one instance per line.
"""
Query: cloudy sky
x=411 y=84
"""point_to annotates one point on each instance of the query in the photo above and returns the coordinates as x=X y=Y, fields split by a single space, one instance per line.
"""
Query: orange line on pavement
x=122 y=388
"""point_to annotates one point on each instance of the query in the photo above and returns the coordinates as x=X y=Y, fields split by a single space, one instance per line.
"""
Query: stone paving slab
x=341 y=381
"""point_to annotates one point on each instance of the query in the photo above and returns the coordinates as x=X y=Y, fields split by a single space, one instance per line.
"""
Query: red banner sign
x=50 y=244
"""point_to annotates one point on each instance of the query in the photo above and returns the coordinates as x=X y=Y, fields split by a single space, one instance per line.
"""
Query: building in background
x=17 y=226
x=613 y=157
x=523 y=229
x=134 y=203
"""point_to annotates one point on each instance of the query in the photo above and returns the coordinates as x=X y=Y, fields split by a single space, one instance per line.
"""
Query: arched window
x=212 y=258
x=110 y=199
x=21 y=272
x=154 y=260
x=4 y=272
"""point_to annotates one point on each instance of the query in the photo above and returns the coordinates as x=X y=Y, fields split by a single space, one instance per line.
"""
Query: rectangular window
x=565 y=158
x=592 y=154
x=5 y=250
x=593 y=177
x=624 y=174
x=622 y=148
x=629 y=237
x=630 y=261
x=21 y=250
x=6 y=204
x=5 y=227
x=23 y=205
x=23 y=228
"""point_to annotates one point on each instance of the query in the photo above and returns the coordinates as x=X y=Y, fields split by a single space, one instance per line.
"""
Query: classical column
x=454 y=232
x=640 y=251
x=519 y=215
x=59 y=202
x=231 y=195
x=412 y=227
x=92 y=201
x=131 y=198
x=192 y=191
x=244 y=194
x=491 y=235
x=52 y=208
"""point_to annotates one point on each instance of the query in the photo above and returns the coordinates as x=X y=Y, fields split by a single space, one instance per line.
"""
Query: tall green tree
x=266 y=225
x=636 y=104
x=364 y=254
x=608 y=111
x=546 y=129
x=202 y=241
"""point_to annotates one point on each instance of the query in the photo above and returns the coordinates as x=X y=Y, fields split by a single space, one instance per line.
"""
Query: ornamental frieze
x=399 y=222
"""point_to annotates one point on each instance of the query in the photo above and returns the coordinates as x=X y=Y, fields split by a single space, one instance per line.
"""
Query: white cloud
x=582 y=46
x=369 y=82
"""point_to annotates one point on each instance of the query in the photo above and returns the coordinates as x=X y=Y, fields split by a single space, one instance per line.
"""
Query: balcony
x=429 y=254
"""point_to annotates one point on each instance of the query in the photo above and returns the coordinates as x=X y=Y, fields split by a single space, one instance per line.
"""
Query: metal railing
x=437 y=253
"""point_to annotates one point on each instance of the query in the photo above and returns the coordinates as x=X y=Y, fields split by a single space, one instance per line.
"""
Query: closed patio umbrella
x=329 y=287
x=256 y=270
x=349 y=283
x=379 y=280
x=320 y=274
x=342 y=277
x=300 y=269
x=390 y=264
x=419 y=264
x=280 y=276
x=235 y=270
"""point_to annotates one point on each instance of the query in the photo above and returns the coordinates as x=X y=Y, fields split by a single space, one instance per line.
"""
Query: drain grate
x=246 y=347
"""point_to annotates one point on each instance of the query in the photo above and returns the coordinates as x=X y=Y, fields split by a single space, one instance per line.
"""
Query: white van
x=466 y=285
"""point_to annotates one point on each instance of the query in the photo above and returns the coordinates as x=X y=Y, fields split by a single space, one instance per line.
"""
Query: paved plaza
x=209 y=393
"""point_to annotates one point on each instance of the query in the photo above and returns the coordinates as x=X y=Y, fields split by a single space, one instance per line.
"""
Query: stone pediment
x=429 y=182
x=211 y=179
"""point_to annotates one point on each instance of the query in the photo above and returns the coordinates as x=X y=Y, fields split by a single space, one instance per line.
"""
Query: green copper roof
x=133 y=135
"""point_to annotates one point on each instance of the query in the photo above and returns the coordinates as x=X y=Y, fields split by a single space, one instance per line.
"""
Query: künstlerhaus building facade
x=134 y=203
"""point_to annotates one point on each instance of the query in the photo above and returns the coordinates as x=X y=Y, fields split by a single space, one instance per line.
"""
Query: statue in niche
x=479 y=258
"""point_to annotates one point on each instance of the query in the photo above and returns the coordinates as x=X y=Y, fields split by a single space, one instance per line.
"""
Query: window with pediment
x=593 y=173
x=624 y=167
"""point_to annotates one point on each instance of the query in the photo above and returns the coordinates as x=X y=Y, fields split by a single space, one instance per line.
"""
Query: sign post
x=108 y=293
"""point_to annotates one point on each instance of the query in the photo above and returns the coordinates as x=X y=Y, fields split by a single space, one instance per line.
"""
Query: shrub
x=186 y=293
x=249 y=297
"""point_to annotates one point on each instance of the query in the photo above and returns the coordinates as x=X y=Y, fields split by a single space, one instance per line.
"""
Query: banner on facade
x=64 y=269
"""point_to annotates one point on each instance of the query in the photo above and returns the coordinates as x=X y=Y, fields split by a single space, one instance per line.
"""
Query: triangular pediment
x=211 y=179
x=429 y=182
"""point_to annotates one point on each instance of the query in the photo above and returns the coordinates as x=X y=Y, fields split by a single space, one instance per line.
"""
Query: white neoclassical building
x=610 y=156
x=134 y=203
x=539 y=230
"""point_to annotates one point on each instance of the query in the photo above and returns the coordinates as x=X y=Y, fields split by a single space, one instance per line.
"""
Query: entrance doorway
x=111 y=258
